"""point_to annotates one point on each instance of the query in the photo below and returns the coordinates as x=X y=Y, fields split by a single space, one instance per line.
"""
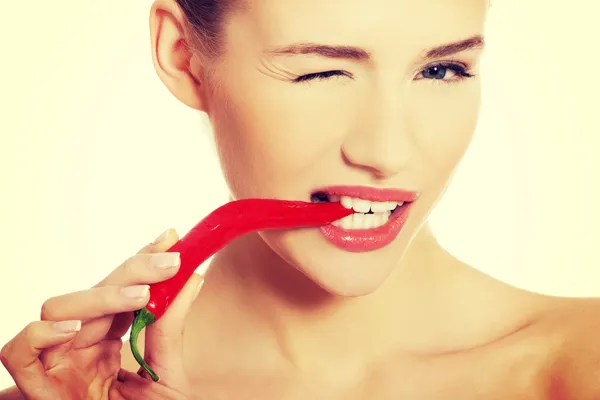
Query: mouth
x=373 y=208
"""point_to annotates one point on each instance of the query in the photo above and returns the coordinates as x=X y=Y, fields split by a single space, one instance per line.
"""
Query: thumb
x=163 y=349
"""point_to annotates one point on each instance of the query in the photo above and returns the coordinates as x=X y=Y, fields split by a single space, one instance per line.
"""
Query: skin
x=286 y=315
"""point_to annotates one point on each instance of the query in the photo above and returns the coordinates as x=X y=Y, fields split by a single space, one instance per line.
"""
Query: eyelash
x=321 y=76
x=460 y=70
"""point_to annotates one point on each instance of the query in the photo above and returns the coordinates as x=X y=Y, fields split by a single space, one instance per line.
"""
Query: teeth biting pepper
x=213 y=233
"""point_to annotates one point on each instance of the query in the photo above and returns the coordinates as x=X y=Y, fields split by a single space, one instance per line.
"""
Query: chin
x=347 y=286
x=334 y=271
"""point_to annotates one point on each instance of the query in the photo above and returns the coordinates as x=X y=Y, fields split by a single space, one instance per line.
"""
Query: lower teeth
x=363 y=221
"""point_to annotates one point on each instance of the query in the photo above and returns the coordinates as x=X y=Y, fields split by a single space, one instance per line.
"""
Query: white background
x=98 y=158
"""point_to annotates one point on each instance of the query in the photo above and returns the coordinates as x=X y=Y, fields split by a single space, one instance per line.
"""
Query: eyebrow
x=358 y=54
x=473 y=43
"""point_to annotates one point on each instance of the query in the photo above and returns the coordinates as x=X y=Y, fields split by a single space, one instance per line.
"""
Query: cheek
x=444 y=121
x=270 y=131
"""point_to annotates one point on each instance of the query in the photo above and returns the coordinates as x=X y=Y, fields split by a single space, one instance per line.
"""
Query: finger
x=162 y=243
x=164 y=339
x=144 y=268
x=95 y=303
x=172 y=323
x=98 y=308
x=130 y=385
x=150 y=265
x=20 y=356
x=120 y=326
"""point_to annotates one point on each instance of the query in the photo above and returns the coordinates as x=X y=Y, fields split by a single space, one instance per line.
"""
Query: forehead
x=369 y=23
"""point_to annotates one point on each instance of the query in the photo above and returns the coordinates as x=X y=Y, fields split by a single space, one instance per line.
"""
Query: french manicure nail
x=162 y=237
x=136 y=292
x=165 y=260
x=67 y=326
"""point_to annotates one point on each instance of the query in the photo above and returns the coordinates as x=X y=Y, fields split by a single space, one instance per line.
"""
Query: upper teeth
x=364 y=206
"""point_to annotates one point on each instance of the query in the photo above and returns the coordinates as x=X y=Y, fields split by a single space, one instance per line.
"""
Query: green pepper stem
x=142 y=319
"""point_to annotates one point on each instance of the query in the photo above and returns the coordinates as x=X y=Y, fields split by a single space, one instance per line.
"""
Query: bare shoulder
x=575 y=326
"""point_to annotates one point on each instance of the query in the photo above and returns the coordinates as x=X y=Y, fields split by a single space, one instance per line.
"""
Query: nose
x=381 y=142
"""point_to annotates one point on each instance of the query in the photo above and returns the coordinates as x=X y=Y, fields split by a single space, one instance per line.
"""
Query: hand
x=73 y=352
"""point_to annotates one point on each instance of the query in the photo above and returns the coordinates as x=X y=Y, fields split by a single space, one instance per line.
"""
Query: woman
x=343 y=312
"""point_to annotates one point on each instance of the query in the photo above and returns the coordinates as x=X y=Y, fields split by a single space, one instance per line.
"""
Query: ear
x=172 y=54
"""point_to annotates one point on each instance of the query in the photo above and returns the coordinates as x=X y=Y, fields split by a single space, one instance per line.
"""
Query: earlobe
x=171 y=54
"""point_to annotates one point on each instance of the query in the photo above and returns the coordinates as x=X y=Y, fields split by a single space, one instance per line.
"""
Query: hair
x=206 y=21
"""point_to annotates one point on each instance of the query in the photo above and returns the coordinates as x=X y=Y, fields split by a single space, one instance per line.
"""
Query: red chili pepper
x=212 y=234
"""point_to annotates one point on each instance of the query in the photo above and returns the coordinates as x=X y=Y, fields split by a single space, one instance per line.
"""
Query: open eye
x=320 y=75
x=444 y=72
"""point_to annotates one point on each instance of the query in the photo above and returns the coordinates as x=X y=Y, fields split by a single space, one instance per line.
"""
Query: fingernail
x=136 y=292
x=67 y=326
x=165 y=260
x=162 y=237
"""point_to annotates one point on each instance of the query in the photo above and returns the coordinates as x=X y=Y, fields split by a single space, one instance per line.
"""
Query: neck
x=277 y=307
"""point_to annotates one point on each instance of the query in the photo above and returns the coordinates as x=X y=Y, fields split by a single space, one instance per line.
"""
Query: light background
x=98 y=158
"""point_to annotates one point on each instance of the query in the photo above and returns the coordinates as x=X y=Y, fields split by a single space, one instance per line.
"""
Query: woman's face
x=314 y=94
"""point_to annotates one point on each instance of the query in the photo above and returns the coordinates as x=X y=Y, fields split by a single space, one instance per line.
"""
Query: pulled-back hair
x=205 y=20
